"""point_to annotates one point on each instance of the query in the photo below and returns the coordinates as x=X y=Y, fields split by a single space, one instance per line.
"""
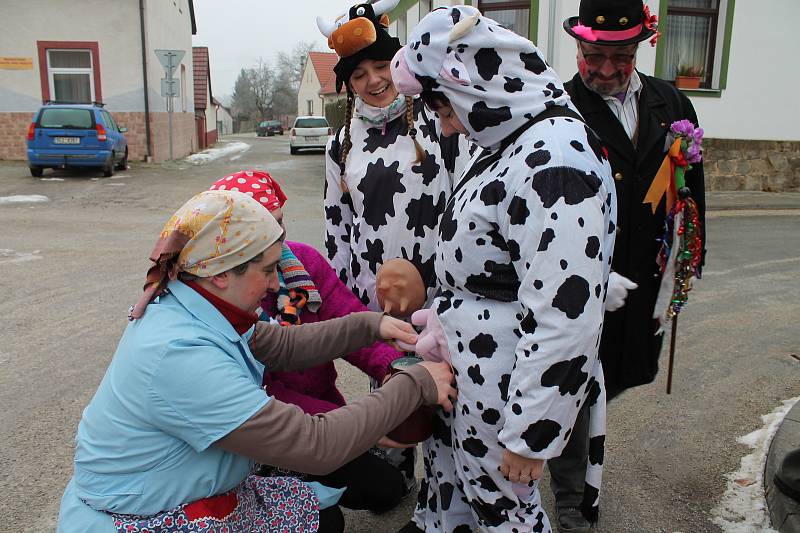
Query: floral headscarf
x=213 y=232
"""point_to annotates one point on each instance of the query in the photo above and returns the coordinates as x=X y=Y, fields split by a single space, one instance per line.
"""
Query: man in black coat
x=632 y=113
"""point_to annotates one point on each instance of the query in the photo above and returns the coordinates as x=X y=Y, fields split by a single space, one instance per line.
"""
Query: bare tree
x=262 y=83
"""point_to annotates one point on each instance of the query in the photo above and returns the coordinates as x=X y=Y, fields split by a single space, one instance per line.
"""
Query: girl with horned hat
x=388 y=170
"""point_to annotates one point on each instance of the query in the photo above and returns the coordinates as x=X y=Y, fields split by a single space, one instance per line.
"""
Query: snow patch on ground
x=51 y=179
x=23 y=199
x=743 y=508
x=12 y=256
x=212 y=154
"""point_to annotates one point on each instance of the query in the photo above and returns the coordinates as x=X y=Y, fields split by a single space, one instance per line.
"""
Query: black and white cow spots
x=541 y=434
x=572 y=296
x=592 y=247
x=538 y=158
x=548 y=235
x=424 y=213
x=483 y=345
x=474 y=446
x=518 y=211
x=568 y=376
x=376 y=138
x=533 y=62
x=570 y=184
x=474 y=373
x=379 y=186
x=429 y=168
x=513 y=85
x=488 y=62
x=482 y=116
x=373 y=254
x=491 y=416
x=597 y=449
x=493 y=193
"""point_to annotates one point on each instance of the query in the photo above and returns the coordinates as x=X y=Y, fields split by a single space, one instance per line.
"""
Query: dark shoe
x=571 y=520
x=411 y=527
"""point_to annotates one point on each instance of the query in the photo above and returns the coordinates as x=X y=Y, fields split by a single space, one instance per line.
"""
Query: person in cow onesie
x=388 y=170
x=522 y=262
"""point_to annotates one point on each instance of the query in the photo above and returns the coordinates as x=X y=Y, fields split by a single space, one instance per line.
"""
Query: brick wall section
x=13 y=129
x=184 y=135
x=136 y=134
x=737 y=165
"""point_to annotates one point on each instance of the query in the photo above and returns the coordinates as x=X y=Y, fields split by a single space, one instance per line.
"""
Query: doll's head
x=400 y=288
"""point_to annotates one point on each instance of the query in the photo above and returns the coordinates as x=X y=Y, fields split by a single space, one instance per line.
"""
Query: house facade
x=318 y=86
x=88 y=52
x=743 y=49
x=224 y=118
x=205 y=112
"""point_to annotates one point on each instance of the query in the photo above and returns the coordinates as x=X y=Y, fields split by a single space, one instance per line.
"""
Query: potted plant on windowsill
x=689 y=77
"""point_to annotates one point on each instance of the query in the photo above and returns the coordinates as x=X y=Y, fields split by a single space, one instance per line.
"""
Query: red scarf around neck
x=240 y=320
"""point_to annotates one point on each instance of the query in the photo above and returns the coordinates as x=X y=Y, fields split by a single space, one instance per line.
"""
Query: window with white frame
x=513 y=14
x=425 y=7
x=691 y=36
x=70 y=75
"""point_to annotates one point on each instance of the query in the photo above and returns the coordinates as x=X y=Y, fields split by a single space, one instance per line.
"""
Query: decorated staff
x=681 y=250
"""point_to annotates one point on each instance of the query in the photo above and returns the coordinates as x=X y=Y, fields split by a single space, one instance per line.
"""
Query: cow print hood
x=495 y=79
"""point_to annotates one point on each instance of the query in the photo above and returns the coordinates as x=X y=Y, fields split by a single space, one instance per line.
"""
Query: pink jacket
x=314 y=390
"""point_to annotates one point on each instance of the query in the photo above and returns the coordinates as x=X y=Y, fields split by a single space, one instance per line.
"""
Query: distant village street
x=66 y=295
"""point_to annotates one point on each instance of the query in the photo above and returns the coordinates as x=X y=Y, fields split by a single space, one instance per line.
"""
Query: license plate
x=312 y=139
x=66 y=140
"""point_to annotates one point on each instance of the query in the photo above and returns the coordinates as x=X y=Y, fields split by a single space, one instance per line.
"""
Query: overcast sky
x=238 y=32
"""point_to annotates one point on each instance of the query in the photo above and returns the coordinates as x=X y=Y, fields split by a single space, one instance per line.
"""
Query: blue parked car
x=76 y=135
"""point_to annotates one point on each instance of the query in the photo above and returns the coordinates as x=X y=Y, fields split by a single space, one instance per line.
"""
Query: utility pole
x=170 y=87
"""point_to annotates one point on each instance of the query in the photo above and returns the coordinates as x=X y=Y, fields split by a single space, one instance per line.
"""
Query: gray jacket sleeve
x=284 y=349
x=282 y=435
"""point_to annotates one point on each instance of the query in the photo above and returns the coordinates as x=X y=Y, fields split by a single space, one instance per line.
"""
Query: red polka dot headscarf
x=255 y=183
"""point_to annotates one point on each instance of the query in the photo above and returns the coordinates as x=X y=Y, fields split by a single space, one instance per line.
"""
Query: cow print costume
x=392 y=204
x=522 y=262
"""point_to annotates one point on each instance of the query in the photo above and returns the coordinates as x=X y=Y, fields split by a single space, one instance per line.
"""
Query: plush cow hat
x=613 y=23
x=360 y=34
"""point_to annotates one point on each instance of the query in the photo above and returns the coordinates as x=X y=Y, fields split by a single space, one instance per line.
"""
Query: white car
x=309 y=132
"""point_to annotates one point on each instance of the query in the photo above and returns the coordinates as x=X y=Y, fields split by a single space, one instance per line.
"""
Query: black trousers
x=372 y=483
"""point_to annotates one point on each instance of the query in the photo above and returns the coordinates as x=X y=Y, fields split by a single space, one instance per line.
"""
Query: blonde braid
x=412 y=131
x=347 y=144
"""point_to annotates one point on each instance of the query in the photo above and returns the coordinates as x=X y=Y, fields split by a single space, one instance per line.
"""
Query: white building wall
x=168 y=28
x=115 y=30
x=761 y=68
x=760 y=101
x=309 y=90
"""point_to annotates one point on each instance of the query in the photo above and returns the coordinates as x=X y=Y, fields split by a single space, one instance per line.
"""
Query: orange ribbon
x=663 y=182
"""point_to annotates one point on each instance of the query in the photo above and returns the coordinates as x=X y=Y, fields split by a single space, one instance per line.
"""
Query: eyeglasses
x=618 y=60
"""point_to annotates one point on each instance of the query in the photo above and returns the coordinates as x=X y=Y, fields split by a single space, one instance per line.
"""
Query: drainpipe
x=551 y=32
x=148 y=134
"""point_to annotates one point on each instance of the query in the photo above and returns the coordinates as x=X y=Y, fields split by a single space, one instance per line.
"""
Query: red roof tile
x=202 y=76
x=323 y=63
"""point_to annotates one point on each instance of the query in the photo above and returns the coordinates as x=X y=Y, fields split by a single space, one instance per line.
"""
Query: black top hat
x=612 y=22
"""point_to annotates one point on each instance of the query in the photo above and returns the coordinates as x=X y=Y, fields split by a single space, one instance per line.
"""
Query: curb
x=783 y=511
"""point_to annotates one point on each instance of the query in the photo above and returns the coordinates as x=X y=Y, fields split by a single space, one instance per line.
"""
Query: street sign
x=170 y=59
x=170 y=87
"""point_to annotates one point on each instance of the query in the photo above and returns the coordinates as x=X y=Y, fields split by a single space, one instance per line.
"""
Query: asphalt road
x=71 y=266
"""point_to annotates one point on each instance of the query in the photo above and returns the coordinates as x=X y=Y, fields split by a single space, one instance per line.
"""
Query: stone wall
x=184 y=135
x=737 y=165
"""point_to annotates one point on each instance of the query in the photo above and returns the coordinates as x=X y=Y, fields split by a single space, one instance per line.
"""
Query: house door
x=200 y=122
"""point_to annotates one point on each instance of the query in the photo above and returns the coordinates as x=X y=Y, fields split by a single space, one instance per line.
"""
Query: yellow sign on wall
x=16 y=63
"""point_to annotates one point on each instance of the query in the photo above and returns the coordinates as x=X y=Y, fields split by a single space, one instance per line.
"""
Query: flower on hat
x=651 y=23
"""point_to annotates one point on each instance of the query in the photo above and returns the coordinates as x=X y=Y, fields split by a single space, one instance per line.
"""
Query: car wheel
x=123 y=165
x=108 y=170
x=36 y=172
x=292 y=150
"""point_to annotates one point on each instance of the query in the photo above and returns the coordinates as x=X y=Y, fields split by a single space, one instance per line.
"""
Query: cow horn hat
x=613 y=23
x=360 y=34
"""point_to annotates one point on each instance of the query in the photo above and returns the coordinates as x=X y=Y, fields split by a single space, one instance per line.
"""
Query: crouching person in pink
x=169 y=442
x=310 y=291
